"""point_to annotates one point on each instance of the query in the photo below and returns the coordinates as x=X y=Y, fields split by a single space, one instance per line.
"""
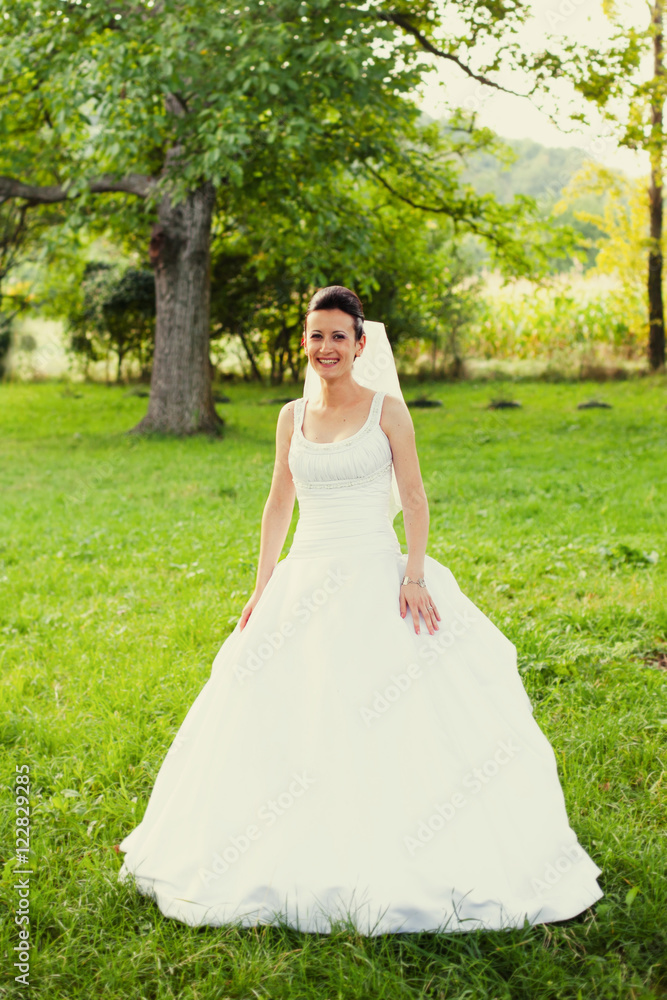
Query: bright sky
x=518 y=118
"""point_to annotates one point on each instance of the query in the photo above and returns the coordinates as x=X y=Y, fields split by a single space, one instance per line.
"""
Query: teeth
x=332 y=362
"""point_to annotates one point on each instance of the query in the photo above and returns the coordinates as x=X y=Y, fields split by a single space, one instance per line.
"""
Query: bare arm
x=277 y=510
x=397 y=424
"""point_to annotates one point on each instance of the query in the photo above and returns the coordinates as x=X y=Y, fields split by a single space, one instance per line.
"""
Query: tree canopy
x=196 y=110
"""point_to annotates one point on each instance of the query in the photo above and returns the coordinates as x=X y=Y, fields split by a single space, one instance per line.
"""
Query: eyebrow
x=333 y=331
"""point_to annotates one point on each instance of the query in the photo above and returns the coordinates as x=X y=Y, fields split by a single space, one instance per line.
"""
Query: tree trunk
x=292 y=360
x=181 y=401
x=251 y=357
x=294 y=366
x=280 y=356
x=656 y=345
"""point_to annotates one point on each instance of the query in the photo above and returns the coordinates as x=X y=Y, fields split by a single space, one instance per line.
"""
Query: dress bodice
x=350 y=463
x=343 y=487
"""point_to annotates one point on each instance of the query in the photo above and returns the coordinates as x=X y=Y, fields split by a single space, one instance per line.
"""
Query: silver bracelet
x=406 y=579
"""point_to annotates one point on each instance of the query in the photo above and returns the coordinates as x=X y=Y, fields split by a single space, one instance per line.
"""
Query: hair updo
x=338 y=297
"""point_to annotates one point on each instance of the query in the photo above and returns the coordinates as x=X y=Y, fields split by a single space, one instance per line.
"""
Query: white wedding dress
x=338 y=768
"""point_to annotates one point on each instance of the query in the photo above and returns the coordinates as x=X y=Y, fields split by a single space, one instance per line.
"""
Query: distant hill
x=539 y=171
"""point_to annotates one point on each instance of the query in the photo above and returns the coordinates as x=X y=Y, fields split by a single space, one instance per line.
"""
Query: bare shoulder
x=285 y=424
x=395 y=418
x=287 y=411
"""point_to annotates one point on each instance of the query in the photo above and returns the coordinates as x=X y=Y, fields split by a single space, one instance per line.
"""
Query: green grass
x=125 y=563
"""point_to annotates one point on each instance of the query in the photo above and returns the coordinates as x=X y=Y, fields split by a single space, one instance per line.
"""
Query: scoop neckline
x=332 y=444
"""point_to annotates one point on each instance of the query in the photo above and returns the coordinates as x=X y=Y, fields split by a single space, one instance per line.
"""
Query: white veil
x=374 y=369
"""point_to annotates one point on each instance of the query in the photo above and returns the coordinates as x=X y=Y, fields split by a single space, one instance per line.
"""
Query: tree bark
x=656 y=344
x=181 y=401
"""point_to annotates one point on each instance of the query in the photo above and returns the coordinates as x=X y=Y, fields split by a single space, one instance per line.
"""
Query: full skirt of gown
x=339 y=769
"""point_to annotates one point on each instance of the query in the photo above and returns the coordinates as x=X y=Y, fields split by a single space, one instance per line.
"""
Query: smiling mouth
x=328 y=362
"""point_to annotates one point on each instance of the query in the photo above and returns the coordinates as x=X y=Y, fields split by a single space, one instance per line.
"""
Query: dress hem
x=392 y=920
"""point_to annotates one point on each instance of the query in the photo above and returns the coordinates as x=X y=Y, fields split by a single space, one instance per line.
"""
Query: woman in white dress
x=364 y=752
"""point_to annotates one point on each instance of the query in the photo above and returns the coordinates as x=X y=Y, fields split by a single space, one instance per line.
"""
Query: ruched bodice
x=343 y=489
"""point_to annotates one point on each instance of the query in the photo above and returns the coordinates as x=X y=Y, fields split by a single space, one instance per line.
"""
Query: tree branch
x=401 y=21
x=456 y=216
x=10 y=187
x=132 y=184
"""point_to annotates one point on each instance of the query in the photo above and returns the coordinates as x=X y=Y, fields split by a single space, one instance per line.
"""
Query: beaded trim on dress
x=332 y=484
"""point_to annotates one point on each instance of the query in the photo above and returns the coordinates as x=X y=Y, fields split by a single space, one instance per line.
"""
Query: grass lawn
x=125 y=563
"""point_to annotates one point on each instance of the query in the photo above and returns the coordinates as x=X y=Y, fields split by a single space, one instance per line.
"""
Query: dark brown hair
x=338 y=297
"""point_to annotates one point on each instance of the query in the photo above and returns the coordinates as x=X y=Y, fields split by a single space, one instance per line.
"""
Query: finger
x=429 y=617
x=403 y=603
x=415 y=619
x=430 y=621
x=435 y=617
x=429 y=602
x=432 y=610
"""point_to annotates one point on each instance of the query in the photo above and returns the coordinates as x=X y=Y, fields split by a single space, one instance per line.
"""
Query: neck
x=340 y=393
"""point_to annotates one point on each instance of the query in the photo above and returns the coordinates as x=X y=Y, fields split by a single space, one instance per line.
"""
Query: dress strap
x=298 y=412
x=376 y=407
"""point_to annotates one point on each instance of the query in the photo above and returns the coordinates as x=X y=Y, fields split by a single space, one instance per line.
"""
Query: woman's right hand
x=249 y=608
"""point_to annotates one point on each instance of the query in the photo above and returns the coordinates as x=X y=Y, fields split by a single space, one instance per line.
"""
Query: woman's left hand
x=418 y=600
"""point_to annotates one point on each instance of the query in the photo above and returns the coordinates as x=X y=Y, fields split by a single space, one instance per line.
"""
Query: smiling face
x=331 y=345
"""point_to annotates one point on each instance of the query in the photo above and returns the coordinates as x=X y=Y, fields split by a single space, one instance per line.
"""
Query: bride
x=334 y=339
x=364 y=753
